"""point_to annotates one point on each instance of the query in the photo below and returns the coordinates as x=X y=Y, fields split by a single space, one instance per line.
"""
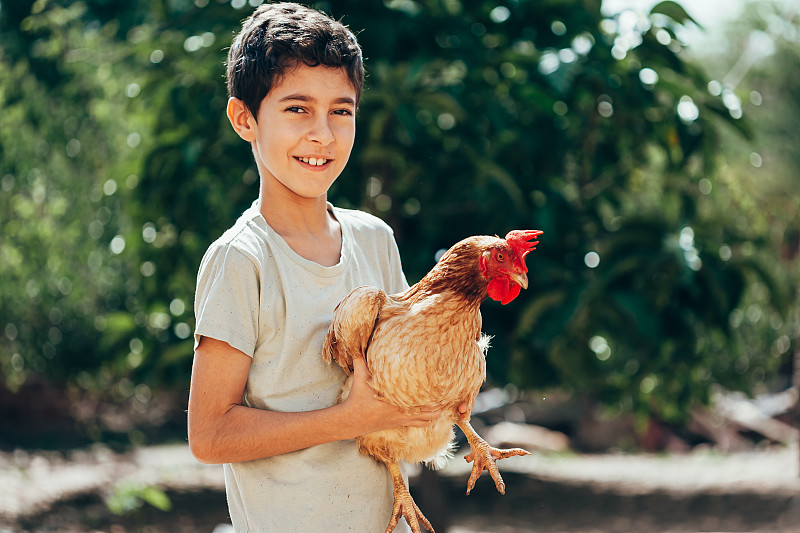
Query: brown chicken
x=424 y=347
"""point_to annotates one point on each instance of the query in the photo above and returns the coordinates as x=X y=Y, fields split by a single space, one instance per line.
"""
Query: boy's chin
x=308 y=193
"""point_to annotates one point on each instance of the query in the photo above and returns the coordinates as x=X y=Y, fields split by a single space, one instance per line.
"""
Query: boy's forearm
x=221 y=430
x=245 y=433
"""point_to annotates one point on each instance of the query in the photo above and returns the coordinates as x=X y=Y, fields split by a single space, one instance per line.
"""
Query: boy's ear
x=241 y=119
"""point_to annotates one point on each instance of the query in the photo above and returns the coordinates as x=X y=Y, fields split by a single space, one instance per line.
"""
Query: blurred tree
x=599 y=131
x=59 y=146
x=478 y=117
x=759 y=72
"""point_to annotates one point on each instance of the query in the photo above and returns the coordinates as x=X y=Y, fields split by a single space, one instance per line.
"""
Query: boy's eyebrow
x=306 y=98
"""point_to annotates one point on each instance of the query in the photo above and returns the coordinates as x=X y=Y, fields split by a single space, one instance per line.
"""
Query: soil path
x=754 y=491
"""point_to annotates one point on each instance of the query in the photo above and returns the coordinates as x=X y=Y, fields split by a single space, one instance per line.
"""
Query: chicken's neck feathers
x=456 y=275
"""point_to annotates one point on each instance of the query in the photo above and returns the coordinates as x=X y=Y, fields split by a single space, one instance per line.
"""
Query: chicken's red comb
x=519 y=240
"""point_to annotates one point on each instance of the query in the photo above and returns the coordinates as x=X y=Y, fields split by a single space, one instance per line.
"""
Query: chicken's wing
x=353 y=323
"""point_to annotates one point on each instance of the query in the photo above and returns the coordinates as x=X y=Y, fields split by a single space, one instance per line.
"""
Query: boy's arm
x=222 y=430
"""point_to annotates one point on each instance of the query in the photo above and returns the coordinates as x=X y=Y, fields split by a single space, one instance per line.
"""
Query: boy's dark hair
x=277 y=37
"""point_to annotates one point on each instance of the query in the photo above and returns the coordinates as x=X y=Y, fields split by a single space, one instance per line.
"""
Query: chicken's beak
x=520 y=278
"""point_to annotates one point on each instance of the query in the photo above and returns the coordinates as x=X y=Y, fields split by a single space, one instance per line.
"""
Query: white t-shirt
x=255 y=293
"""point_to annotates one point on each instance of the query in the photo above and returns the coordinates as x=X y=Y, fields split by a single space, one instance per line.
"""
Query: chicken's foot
x=484 y=457
x=404 y=504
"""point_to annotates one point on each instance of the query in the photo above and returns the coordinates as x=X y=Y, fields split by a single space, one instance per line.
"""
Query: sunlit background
x=651 y=363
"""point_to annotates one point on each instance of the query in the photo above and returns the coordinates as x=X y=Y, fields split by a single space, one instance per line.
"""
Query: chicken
x=424 y=347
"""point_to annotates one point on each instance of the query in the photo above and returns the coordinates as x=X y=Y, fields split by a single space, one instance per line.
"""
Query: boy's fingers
x=424 y=410
x=426 y=415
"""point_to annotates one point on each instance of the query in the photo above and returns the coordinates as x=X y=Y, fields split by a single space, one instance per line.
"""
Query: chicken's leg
x=404 y=504
x=484 y=456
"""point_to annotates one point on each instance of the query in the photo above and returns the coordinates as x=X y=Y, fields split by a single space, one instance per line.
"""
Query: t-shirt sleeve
x=397 y=281
x=227 y=299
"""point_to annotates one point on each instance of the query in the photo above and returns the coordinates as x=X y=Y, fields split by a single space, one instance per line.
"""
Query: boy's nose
x=321 y=132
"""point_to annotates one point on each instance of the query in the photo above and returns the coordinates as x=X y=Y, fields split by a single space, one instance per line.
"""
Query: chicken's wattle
x=502 y=289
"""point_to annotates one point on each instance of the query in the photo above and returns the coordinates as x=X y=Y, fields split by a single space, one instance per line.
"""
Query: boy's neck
x=306 y=226
x=295 y=216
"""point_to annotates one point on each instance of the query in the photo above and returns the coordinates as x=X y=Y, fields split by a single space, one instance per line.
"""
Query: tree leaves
x=475 y=120
x=675 y=11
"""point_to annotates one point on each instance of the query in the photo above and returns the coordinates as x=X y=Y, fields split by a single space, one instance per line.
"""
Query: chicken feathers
x=424 y=347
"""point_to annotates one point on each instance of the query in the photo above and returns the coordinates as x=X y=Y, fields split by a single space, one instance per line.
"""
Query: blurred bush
x=118 y=168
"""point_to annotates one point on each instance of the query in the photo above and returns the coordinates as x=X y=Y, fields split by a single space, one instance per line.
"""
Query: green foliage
x=118 y=168
x=128 y=498
x=760 y=70
x=57 y=149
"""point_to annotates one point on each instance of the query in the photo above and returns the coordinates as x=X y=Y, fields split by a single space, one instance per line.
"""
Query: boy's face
x=305 y=130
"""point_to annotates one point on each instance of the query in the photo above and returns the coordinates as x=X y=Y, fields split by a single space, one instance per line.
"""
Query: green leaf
x=156 y=497
x=675 y=11
x=128 y=497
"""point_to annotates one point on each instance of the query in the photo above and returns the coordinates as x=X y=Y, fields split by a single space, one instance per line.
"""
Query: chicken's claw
x=484 y=457
x=404 y=505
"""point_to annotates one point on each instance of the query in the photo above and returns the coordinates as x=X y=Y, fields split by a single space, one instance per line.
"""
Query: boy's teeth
x=314 y=161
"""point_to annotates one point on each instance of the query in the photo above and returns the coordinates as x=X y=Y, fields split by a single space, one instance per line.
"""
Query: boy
x=262 y=402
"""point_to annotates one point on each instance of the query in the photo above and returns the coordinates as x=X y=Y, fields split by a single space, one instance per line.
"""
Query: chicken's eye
x=500 y=257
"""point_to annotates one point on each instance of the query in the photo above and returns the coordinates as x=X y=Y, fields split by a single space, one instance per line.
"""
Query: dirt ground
x=756 y=491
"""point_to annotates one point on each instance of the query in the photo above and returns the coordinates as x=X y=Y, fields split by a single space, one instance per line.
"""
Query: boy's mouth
x=313 y=161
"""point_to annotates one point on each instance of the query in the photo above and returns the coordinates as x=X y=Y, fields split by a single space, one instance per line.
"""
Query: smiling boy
x=261 y=400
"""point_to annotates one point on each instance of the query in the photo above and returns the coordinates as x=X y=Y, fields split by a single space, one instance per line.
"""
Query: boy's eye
x=295 y=109
x=343 y=112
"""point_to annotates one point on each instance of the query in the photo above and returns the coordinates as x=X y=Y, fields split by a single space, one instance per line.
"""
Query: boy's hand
x=370 y=413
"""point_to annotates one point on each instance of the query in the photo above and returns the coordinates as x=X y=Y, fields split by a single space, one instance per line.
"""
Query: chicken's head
x=503 y=264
